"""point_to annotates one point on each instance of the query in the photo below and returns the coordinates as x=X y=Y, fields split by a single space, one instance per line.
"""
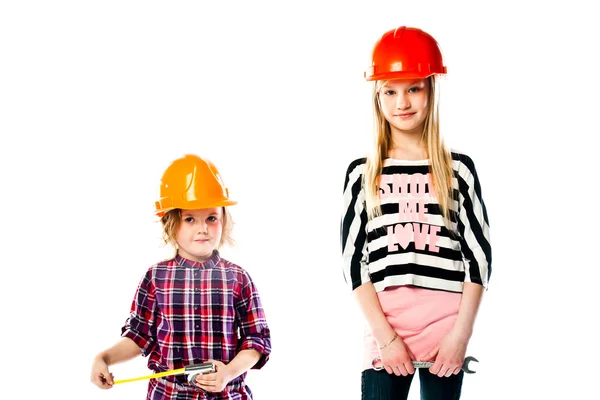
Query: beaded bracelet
x=388 y=343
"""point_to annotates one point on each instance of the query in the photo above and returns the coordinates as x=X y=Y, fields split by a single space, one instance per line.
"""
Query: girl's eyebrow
x=409 y=84
x=189 y=214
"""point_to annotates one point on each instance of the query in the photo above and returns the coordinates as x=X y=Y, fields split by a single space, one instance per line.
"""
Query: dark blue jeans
x=379 y=385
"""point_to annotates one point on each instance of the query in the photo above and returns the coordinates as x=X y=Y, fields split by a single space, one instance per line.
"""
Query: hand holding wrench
x=428 y=364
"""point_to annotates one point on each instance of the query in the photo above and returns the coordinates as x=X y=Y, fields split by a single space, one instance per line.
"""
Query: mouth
x=201 y=240
x=404 y=115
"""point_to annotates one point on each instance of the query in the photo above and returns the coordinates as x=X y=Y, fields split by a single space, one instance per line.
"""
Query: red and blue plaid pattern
x=186 y=312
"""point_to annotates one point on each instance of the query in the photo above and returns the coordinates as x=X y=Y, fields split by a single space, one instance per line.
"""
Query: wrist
x=384 y=338
x=231 y=370
x=462 y=333
x=383 y=346
x=101 y=357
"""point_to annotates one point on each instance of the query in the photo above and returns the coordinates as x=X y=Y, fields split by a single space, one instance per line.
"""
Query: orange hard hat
x=405 y=53
x=191 y=183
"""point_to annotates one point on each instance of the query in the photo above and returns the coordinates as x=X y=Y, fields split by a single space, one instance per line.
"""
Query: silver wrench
x=429 y=364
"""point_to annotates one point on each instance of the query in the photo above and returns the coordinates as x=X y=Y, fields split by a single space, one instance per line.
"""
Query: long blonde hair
x=440 y=159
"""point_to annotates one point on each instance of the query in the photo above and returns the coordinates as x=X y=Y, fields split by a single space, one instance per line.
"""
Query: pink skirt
x=421 y=317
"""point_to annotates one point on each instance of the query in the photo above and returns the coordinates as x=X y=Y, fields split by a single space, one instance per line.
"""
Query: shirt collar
x=210 y=263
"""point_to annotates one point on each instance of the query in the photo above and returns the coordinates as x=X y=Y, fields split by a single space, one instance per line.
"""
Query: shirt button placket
x=197 y=296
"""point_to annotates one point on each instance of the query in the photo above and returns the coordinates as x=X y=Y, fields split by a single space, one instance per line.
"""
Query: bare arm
x=395 y=356
x=242 y=362
x=124 y=350
x=371 y=309
x=450 y=353
x=215 y=382
x=469 y=305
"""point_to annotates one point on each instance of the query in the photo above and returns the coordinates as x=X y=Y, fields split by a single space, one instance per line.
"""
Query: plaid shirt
x=187 y=312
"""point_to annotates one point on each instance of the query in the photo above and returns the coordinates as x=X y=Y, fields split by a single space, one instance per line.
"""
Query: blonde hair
x=439 y=157
x=171 y=222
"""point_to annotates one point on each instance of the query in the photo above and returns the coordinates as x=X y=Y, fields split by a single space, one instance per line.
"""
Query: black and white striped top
x=409 y=244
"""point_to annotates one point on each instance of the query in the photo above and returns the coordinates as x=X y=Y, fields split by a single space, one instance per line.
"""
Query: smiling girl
x=415 y=232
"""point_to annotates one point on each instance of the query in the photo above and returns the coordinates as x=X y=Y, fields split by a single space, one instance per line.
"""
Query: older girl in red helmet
x=415 y=231
x=196 y=307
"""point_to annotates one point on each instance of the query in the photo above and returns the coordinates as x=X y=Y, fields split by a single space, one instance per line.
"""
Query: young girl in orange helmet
x=415 y=233
x=195 y=307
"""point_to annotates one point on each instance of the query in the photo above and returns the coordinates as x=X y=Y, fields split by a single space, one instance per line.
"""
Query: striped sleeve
x=354 y=228
x=473 y=224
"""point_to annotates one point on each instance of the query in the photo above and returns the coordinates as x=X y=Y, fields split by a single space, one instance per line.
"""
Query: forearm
x=243 y=361
x=469 y=305
x=124 y=350
x=368 y=301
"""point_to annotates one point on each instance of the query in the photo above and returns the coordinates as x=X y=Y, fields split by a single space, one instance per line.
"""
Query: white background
x=96 y=98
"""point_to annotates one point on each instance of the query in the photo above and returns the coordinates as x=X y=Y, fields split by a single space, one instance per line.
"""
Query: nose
x=402 y=101
x=202 y=227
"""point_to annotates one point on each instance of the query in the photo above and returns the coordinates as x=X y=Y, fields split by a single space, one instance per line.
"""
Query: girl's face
x=404 y=104
x=199 y=233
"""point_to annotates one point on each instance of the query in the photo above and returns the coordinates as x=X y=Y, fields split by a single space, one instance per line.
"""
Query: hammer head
x=465 y=366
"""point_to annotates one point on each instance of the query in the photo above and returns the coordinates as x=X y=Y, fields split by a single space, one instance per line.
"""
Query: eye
x=189 y=219
x=389 y=92
x=414 y=89
x=212 y=218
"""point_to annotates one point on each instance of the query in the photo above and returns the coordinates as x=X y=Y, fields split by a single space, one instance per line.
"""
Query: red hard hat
x=405 y=53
